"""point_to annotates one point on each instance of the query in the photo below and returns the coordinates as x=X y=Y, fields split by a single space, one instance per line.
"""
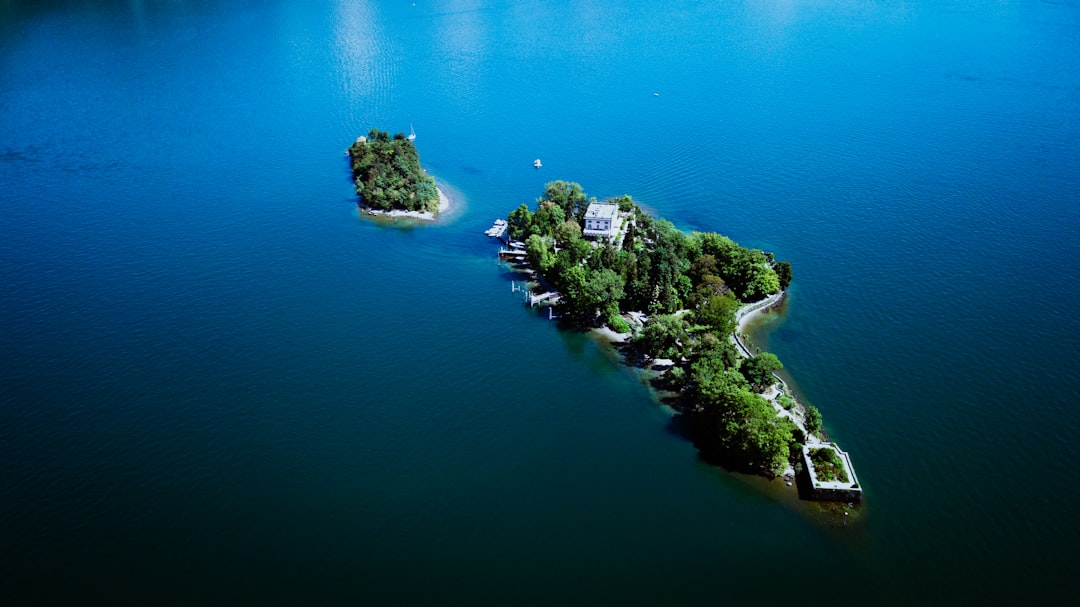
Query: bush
x=827 y=465
x=800 y=439
x=677 y=375
x=786 y=402
x=813 y=419
x=618 y=324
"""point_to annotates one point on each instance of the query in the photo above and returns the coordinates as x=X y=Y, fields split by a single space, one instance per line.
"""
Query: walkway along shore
x=747 y=312
x=743 y=316
x=820 y=490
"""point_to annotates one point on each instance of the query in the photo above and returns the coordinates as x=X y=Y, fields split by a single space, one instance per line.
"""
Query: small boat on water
x=497 y=229
x=537 y=164
x=412 y=133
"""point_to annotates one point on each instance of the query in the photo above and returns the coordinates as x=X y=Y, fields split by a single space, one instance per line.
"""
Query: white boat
x=537 y=164
x=412 y=133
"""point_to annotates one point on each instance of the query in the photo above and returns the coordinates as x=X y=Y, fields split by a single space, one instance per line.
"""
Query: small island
x=389 y=179
x=677 y=303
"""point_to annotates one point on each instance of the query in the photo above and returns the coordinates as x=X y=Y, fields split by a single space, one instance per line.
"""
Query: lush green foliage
x=691 y=286
x=387 y=174
x=717 y=314
x=759 y=370
x=664 y=336
x=618 y=324
x=813 y=419
x=658 y=269
x=827 y=465
x=743 y=424
x=783 y=273
x=747 y=272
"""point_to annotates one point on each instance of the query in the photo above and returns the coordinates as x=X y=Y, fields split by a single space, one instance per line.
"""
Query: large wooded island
x=678 y=298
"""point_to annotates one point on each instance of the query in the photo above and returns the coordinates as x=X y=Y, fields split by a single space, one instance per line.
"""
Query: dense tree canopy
x=664 y=336
x=759 y=370
x=568 y=195
x=660 y=269
x=783 y=273
x=747 y=272
x=388 y=176
x=743 y=425
x=691 y=287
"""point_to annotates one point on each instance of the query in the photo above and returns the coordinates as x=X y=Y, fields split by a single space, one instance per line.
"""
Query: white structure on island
x=602 y=220
x=835 y=490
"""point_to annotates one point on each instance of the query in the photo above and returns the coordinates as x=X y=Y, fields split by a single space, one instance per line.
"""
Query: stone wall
x=835 y=491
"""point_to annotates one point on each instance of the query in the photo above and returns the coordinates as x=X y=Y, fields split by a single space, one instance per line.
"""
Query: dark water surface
x=220 y=385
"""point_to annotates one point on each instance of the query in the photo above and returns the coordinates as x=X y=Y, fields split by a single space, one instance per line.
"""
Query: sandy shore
x=444 y=205
x=611 y=336
x=747 y=313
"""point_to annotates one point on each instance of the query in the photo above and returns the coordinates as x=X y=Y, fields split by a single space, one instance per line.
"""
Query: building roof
x=601 y=210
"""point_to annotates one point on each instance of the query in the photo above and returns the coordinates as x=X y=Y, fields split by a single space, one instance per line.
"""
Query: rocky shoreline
x=444 y=205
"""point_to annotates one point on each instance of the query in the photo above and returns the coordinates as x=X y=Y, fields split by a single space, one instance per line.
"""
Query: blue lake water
x=221 y=385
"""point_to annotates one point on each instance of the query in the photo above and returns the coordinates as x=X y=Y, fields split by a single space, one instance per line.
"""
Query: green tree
x=572 y=281
x=813 y=419
x=764 y=282
x=759 y=370
x=719 y=349
x=783 y=273
x=569 y=196
x=704 y=266
x=665 y=269
x=577 y=250
x=711 y=286
x=538 y=254
x=718 y=314
x=713 y=380
x=519 y=222
x=604 y=290
x=547 y=218
x=742 y=424
x=625 y=202
x=568 y=231
x=607 y=256
x=664 y=336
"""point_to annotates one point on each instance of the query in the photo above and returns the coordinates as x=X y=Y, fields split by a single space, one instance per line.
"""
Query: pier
x=552 y=297
x=515 y=254
x=527 y=296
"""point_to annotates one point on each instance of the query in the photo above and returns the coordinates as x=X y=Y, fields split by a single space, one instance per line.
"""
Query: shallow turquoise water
x=223 y=385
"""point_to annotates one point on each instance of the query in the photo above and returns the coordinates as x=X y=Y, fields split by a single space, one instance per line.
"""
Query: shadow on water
x=847 y=522
x=15 y=14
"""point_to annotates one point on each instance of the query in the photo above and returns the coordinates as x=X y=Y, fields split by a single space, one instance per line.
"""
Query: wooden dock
x=552 y=297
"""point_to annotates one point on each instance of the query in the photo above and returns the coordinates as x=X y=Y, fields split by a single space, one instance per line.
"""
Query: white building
x=602 y=220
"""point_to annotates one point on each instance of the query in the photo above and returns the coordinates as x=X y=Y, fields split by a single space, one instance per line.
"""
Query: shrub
x=618 y=324
x=677 y=375
x=827 y=465
x=813 y=419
